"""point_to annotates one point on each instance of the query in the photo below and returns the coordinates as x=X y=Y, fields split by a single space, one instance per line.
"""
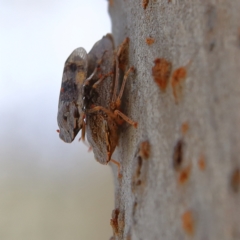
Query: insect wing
x=102 y=134
x=102 y=50
x=106 y=44
x=71 y=100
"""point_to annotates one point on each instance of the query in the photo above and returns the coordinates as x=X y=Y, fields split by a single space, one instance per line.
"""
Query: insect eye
x=73 y=67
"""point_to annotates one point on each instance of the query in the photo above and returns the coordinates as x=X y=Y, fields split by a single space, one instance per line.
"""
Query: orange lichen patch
x=202 y=163
x=144 y=149
x=178 y=155
x=110 y=3
x=150 y=41
x=184 y=175
x=184 y=128
x=188 y=223
x=161 y=72
x=114 y=220
x=178 y=77
x=235 y=180
x=145 y=4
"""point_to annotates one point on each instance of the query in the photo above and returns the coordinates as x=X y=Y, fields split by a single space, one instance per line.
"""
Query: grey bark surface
x=188 y=187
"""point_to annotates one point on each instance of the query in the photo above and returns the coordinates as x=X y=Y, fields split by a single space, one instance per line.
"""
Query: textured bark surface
x=181 y=167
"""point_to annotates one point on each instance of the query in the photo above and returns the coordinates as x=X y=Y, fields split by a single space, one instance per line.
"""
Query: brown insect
x=90 y=98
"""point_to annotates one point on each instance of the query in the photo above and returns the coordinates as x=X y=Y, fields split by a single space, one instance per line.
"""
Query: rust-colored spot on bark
x=139 y=166
x=145 y=4
x=178 y=77
x=235 y=180
x=150 y=41
x=178 y=155
x=121 y=225
x=58 y=131
x=144 y=149
x=184 y=175
x=110 y=3
x=188 y=223
x=161 y=72
x=139 y=182
x=117 y=222
x=185 y=128
x=134 y=207
x=114 y=220
x=202 y=163
x=129 y=236
x=62 y=90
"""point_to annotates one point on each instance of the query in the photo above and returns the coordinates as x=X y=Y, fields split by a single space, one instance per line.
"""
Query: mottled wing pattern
x=70 y=99
x=102 y=135
x=101 y=129
x=104 y=48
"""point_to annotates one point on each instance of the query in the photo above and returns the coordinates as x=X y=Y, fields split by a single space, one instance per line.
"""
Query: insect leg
x=127 y=119
x=99 y=62
x=101 y=79
x=98 y=108
x=107 y=135
x=83 y=136
x=119 y=167
x=107 y=138
x=118 y=101
x=83 y=131
x=117 y=69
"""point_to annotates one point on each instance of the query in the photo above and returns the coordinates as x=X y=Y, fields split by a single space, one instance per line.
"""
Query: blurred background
x=48 y=189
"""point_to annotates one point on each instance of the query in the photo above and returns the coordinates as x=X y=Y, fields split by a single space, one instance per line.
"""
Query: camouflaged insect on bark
x=102 y=131
x=88 y=98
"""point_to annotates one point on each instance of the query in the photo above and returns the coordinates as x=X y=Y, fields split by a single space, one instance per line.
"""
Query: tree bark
x=181 y=166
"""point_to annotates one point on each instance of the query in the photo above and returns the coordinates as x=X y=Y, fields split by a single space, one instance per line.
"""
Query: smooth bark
x=181 y=166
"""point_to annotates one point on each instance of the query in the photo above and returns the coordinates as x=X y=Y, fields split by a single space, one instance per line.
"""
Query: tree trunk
x=181 y=166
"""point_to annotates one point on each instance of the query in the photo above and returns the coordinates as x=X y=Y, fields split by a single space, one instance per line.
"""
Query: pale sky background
x=48 y=189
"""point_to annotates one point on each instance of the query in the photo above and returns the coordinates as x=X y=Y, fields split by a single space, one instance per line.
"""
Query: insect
x=90 y=98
